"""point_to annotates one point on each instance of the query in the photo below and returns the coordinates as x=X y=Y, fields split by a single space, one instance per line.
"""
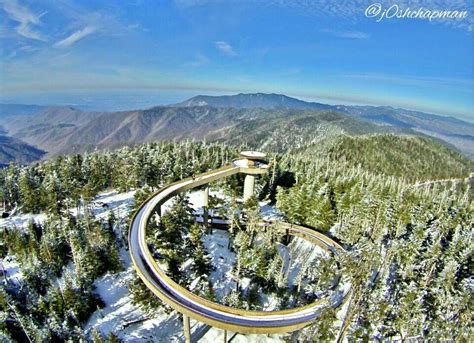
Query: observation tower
x=251 y=164
x=254 y=164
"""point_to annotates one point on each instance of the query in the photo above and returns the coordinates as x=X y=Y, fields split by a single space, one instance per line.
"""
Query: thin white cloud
x=28 y=48
x=26 y=19
x=225 y=48
x=200 y=60
x=351 y=34
x=73 y=38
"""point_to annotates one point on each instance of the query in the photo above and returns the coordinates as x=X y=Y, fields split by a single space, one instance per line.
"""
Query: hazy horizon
x=133 y=100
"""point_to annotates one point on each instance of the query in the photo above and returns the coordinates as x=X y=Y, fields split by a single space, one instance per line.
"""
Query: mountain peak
x=251 y=100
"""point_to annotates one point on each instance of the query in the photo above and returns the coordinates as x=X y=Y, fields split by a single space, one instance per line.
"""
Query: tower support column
x=205 y=208
x=186 y=329
x=249 y=185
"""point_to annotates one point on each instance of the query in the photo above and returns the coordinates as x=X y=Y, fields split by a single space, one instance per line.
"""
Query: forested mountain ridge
x=66 y=130
x=454 y=131
x=255 y=100
x=296 y=128
x=380 y=114
x=272 y=122
x=408 y=157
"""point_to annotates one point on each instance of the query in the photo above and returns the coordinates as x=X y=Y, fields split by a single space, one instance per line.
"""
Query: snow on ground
x=223 y=259
x=269 y=302
x=119 y=315
x=196 y=198
x=119 y=203
x=68 y=271
x=128 y=321
x=132 y=325
x=10 y=271
x=21 y=220
x=269 y=212
x=300 y=252
x=111 y=201
x=102 y=204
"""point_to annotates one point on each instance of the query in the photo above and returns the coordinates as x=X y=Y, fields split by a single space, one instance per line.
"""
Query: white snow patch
x=269 y=212
x=128 y=321
x=245 y=283
x=10 y=271
x=67 y=271
x=269 y=302
x=222 y=259
x=119 y=203
x=196 y=198
x=103 y=203
x=300 y=252
x=21 y=220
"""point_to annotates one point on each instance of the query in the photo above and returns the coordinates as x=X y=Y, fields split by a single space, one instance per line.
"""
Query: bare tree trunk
x=19 y=321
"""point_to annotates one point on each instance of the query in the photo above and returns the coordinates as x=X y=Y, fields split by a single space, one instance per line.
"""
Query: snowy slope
x=119 y=315
x=128 y=321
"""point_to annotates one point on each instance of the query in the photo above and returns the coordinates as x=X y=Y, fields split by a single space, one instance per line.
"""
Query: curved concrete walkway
x=217 y=315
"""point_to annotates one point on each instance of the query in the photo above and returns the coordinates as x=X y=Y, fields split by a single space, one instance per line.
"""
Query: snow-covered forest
x=408 y=249
x=250 y=265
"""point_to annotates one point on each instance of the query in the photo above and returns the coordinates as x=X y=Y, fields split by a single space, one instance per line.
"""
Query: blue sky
x=125 y=54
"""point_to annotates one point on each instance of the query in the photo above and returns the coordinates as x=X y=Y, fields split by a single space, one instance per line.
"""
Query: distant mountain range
x=13 y=149
x=265 y=121
x=449 y=129
x=256 y=100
